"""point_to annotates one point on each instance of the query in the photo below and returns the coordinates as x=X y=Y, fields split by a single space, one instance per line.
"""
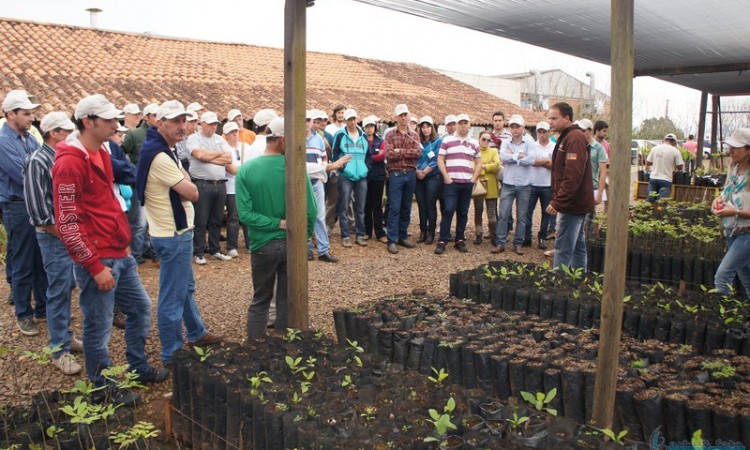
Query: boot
x=422 y=236
x=478 y=239
x=429 y=238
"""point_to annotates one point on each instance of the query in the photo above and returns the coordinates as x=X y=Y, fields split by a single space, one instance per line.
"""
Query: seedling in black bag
x=516 y=421
x=292 y=335
x=616 y=438
x=440 y=376
x=138 y=432
x=541 y=399
x=203 y=353
x=442 y=422
x=355 y=348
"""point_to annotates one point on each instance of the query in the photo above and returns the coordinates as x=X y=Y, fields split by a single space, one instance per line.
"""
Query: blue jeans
x=401 y=186
x=346 y=186
x=735 y=262
x=268 y=265
x=138 y=223
x=427 y=194
x=321 y=233
x=209 y=212
x=661 y=187
x=176 y=294
x=543 y=195
x=570 y=245
x=26 y=262
x=98 y=309
x=456 y=199
x=59 y=269
x=521 y=196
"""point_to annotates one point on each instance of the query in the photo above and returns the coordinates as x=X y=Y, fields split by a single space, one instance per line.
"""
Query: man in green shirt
x=599 y=160
x=261 y=203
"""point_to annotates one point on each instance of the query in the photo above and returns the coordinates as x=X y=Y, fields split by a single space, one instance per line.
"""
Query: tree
x=656 y=128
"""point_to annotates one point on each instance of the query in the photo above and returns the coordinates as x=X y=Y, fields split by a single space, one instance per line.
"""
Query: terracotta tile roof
x=60 y=64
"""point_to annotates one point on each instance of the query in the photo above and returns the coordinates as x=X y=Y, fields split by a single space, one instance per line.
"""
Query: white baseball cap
x=427 y=119
x=670 y=136
x=320 y=114
x=585 y=124
x=264 y=117
x=17 y=99
x=413 y=118
x=192 y=116
x=56 y=119
x=121 y=128
x=209 y=117
x=276 y=127
x=450 y=118
x=462 y=117
x=96 y=105
x=369 y=120
x=349 y=113
x=170 y=110
x=516 y=119
x=233 y=113
x=131 y=108
x=230 y=126
x=542 y=126
x=151 y=108
x=401 y=109
x=739 y=138
x=310 y=114
x=195 y=106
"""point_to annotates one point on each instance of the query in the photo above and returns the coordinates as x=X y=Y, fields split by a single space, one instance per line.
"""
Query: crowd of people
x=90 y=198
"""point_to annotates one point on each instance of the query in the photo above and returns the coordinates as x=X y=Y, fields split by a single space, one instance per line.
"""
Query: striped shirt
x=460 y=157
x=37 y=183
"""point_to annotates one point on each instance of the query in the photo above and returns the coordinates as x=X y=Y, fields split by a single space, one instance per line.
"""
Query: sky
x=352 y=28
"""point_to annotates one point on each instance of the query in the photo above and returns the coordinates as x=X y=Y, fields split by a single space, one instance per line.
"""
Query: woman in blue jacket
x=375 y=181
x=428 y=180
x=351 y=140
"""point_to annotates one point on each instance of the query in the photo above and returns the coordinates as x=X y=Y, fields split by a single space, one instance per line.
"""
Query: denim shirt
x=425 y=161
x=13 y=154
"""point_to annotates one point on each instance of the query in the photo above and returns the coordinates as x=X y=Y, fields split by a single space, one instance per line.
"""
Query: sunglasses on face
x=485 y=140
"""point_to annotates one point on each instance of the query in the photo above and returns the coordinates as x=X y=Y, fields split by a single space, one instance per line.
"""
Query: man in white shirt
x=663 y=159
x=541 y=190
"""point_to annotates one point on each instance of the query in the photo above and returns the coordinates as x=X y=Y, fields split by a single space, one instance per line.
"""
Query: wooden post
x=295 y=30
x=617 y=224
x=714 y=127
x=701 y=132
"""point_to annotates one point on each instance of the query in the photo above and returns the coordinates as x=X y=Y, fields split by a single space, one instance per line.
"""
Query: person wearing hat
x=24 y=257
x=402 y=151
x=210 y=160
x=733 y=207
x=599 y=161
x=374 y=224
x=541 y=192
x=517 y=156
x=95 y=231
x=197 y=109
x=58 y=267
x=428 y=180
x=191 y=125
x=351 y=141
x=413 y=123
x=133 y=116
x=460 y=163
x=232 y=136
x=450 y=125
x=167 y=195
x=244 y=135
x=261 y=119
x=664 y=160
x=262 y=205
x=572 y=188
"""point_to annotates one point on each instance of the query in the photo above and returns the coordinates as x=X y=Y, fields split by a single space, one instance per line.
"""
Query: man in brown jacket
x=572 y=187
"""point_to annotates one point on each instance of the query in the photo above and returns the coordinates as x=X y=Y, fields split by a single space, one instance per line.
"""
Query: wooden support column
x=714 y=127
x=701 y=131
x=295 y=47
x=617 y=223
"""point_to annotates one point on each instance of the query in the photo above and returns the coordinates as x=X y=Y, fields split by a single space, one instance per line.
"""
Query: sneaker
x=346 y=242
x=367 y=237
x=67 y=364
x=153 y=375
x=221 y=257
x=461 y=246
x=542 y=244
x=440 y=248
x=76 y=345
x=328 y=257
x=392 y=248
x=361 y=242
x=200 y=260
x=40 y=319
x=28 y=327
x=207 y=339
x=233 y=253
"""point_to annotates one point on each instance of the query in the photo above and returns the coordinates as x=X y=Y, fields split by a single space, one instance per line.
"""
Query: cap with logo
x=230 y=126
x=463 y=117
x=151 y=108
x=450 y=118
x=671 y=136
x=96 y=105
x=542 y=126
x=739 y=138
x=276 y=127
x=350 y=113
x=264 y=117
x=585 y=124
x=209 y=117
x=171 y=109
x=369 y=120
x=401 y=109
x=233 y=113
x=131 y=108
x=54 y=120
x=17 y=99
x=517 y=120
x=426 y=119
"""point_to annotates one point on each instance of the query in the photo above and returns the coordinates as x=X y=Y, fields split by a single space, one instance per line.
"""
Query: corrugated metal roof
x=674 y=39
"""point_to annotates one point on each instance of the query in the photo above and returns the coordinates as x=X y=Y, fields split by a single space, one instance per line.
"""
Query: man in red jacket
x=572 y=187
x=95 y=231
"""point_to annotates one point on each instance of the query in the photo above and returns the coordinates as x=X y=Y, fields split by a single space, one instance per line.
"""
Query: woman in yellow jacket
x=491 y=165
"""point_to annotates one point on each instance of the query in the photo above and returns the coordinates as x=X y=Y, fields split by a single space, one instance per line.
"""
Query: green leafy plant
x=139 y=431
x=203 y=353
x=516 y=421
x=368 y=414
x=719 y=369
x=697 y=440
x=442 y=422
x=439 y=377
x=618 y=438
x=44 y=357
x=292 y=334
x=540 y=400
x=258 y=379
x=354 y=348
x=348 y=382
